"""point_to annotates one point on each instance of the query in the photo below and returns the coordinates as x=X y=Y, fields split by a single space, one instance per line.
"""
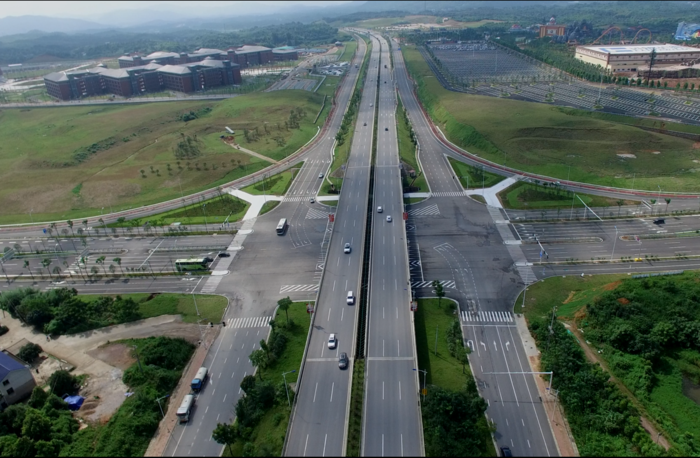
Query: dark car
x=343 y=361
x=224 y=254
x=208 y=259
x=659 y=221
x=386 y=129
x=505 y=451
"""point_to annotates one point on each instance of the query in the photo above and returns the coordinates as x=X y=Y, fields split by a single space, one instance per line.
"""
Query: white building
x=633 y=58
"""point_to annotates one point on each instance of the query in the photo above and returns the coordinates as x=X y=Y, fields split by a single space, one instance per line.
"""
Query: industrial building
x=633 y=58
x=135 y=80
x=16 y=380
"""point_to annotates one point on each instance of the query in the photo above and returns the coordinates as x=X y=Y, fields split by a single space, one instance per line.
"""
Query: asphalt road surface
x=391 y=420
x=460 y=241
x=320 y=415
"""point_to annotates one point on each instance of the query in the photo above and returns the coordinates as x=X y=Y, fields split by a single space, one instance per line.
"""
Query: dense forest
x=23 y=48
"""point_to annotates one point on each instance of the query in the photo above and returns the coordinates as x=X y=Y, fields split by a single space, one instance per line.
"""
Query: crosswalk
x=254 y=322
x=211 y=284
x=316 y=214
x=428 y=210
x=298 y=288
x=297 y=199
x=448 y=194
x=429 y=284
x=486 y=317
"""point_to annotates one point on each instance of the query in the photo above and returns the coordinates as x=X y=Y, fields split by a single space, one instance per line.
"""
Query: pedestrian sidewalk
x=256 y=202
x=491 y=194
x=566 y=445
x=253 y=153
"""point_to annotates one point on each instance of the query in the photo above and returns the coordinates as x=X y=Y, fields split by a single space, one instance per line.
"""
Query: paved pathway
x=491 y=194
x=253 y=153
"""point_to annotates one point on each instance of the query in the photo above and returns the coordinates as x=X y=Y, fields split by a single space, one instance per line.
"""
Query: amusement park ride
x=609 y=33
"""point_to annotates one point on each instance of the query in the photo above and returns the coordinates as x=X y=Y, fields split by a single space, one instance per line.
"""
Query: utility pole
x=424 y=374
x=161 y=407
x=204 y=210
x=614 y=242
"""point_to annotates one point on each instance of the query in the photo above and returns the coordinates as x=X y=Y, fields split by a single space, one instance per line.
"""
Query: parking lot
x=485 y=69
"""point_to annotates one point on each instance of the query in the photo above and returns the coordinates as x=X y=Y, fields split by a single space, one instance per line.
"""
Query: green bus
x=184 y=265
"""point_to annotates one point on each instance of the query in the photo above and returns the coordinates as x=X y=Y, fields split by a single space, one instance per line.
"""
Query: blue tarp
x=74 y=402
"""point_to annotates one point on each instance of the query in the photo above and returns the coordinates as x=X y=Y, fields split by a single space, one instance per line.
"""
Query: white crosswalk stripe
x=448 y=194
x=298 y=288
x=316 y=214
x=429 y=284
x=296 y=199
x=254 y=322
x=429 y=210
x=211 y=284
x=486 y=317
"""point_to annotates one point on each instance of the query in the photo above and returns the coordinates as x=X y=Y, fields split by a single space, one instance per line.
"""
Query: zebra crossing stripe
x=430 y=210
x=254 y=322
x=298 y=288
x=448 y=194
x=429 y=284
x=487 y=316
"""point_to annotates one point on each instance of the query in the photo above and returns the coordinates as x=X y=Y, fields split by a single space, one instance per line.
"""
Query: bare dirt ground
x=91 y=353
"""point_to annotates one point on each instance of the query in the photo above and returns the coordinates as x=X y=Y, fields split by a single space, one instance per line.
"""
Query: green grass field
x=211 y=307
x=473 y=178
x=522 y=196
x=40 y=166
x=560 y=142
x=276 y=185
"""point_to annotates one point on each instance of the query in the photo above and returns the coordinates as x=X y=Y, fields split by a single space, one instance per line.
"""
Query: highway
x=391 y=419
x=318 y=425
x=464 y=243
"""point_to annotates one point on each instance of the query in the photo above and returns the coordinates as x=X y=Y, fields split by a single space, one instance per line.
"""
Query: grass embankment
x=473 y=177
x=621 y=321
x=445 y=373
x=524 y=196
x=345 y=134
x=407 y=151
x=217 y=211
x=211 y=307
x=276 y=185
x=598 y=148
x=269 y=206
x=69 y=162
x=357 y=398
x=269 y=434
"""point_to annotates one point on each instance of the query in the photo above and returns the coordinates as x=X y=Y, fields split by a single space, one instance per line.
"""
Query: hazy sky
x=87 y=10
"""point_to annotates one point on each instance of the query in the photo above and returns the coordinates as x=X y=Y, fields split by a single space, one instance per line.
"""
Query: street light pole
x=424 y=374
x=161 y=407
x=204 y=210
x=289 y=403
x=614 y=242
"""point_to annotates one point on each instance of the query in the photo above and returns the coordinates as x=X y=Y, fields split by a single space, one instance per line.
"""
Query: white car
x=320 y=175
x=332 y=341
x=388 y=218
x=347 y=248
x=380 y=209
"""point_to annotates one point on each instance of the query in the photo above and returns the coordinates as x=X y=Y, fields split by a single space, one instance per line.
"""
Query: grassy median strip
x=357 y=397
x=407 y=151
x=261 y=429
x=473 y=177
x=524 y=196
x=453 y=412
x=275 y=185
x=225 y=207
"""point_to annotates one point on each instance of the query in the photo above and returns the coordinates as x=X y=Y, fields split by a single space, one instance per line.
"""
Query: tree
x=28 y=353
x=101 y=261
x=36 y=426
x=439 y=290
x=226 y=435
x=258 y=359
x=46 y=262
x=284 y=305
x=62 y=382
x=668 y=201
x=26 y=266
x=619 y=203
x=119 y=263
